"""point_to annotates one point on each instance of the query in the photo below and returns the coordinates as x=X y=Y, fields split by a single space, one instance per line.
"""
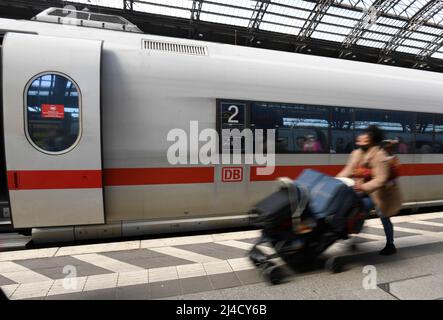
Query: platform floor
x=216 y=267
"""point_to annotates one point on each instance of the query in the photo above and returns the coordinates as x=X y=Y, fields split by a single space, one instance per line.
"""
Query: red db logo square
x=232 y=174
x=56 y=111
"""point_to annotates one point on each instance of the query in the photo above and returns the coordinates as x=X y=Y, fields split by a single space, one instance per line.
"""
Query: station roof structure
x=407 y=33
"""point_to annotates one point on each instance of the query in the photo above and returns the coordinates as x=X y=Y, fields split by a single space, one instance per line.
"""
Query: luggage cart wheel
x=273 y=274
x=333 y=265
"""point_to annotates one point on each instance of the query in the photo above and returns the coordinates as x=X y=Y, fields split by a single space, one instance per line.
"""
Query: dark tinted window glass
x=395 y=124
x=52 y=110
x=299 y=128
x=438 y=142
x=342 y=130
x=424 y=133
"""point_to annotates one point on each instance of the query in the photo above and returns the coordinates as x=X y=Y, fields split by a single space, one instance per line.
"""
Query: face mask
x=364 y=148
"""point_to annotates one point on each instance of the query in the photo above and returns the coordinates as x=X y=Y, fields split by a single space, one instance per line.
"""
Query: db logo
x=232 y=174
x=52 y=108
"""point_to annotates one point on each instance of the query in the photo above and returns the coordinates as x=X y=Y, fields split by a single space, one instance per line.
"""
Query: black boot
x=388 y=250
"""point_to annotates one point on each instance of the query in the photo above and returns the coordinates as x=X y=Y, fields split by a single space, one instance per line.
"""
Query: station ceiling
x=406 y=33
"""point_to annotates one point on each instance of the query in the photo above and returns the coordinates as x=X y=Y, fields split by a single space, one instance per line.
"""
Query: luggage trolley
x=302 y=219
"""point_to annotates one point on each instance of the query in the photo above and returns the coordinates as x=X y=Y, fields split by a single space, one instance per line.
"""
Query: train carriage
x=88 y=103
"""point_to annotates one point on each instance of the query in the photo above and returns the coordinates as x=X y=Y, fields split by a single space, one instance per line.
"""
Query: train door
x=4 y=200
x=51 y=111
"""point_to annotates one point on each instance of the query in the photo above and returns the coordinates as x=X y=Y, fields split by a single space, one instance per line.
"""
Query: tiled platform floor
x=216 y=267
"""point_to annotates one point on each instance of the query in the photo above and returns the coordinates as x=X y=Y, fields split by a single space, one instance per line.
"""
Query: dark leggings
x=387 y=224
x=389 y=230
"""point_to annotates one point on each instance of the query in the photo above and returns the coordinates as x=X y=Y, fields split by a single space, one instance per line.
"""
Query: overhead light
x=309 y=50
x=354 y=56
x=200 y=35
x=258 y=42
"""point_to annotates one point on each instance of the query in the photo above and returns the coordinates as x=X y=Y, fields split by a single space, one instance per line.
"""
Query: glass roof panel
x=163 y=10
x=328 y=36
x=103 y=3
x=361 y=4
x=437 y=18
x=296 y=3
x=282 y=20
x=408 y=50
x=431 y=30
x=287 y=11
x=383 y=29
x=391 y=22
x=414 y=43
x=377 y=36
x=172 y=3
x=370 y=43
x=438 y=55
x=350 y=14
x=422 y=36
x=339 y=21
x=407 y=8
x=228 y=11
x=224 y=20
x=333 y=29
x=279 y=28
x=247 y=4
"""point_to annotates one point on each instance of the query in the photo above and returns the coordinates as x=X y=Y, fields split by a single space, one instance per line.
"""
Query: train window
x=52 y=113
x=424 y=133
x=438 y=138
x=395 y=124
x=299 y=128
x=342 y=130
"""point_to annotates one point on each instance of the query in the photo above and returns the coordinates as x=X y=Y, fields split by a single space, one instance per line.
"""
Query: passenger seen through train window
x=424 y=133
x=342 y=130
x=299 y=128
x=438 y=136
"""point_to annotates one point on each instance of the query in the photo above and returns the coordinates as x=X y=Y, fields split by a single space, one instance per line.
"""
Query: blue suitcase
x=329 y=198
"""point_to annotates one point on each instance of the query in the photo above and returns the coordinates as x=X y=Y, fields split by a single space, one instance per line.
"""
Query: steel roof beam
x=128 y=5
x=195 y=16
x=432 y=47
x=311 y=23
x=196 y=10
x=370 y=16
x=257 y=18
x=419 y=19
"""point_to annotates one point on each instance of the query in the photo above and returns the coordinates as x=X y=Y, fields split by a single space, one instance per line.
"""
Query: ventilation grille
x=175 y=47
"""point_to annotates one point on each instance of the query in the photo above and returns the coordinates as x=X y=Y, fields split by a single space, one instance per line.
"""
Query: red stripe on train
x=83 y=179
x=419 y=169
x=54 y=179
x=146 y=176
x=292 y=171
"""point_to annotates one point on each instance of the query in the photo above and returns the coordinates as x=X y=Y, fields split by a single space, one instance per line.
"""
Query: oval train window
x=52 y=113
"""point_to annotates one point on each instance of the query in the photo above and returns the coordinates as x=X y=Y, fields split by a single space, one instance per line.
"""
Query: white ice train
x=88 y=101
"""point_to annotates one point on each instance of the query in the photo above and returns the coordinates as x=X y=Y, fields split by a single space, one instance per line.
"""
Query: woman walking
x=369 y=166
